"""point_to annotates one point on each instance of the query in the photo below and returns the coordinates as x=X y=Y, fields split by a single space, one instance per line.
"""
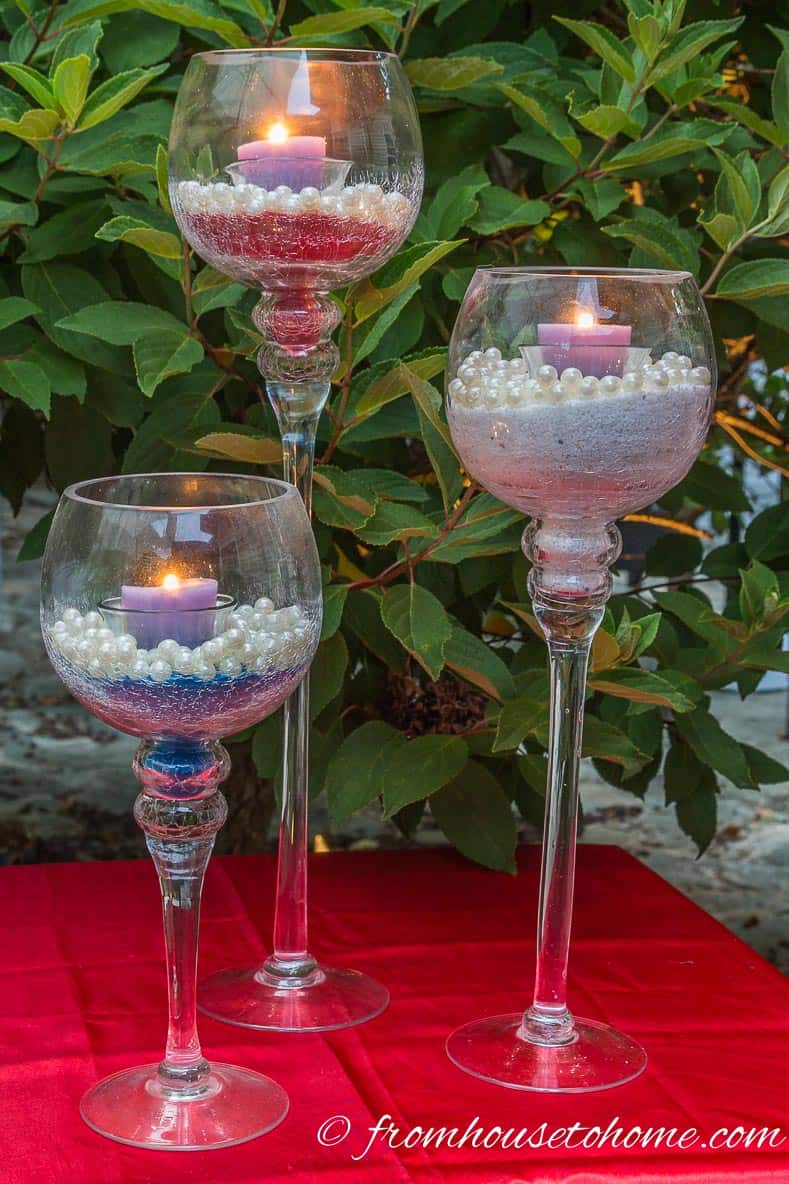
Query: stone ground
x=66 y=787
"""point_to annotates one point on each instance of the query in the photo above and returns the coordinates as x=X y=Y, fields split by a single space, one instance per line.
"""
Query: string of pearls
x=255 y=638
x=486 y=380
x=365 y=202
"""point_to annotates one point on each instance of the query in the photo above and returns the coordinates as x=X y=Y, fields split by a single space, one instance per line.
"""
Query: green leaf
x=767 y=536
x=419 y=622
x=138 y=39
x=479 y=664
x=267 y=746
x=780 y=93
x=34 y=82
x=500 y=210
x=139 y=234
x=114 y=94
x=60 y=289
x=689 y=44
x=69 y=232
x=707 y=485
x=392 y=521
x=747 y=117
x=35 y=539
x=546 y=112
x=164 y=352
x=476 y=816
x=605 y=742
x=605 y=44
x=394 y=486
x=421 y=766
x=392 y=384
x=26 y=381
x=517 y=718
x=397 y=275
x=342 y=499
x=673 y=555
x=327 y=673
x=642 y=686
x=605 y=121
x=33 y=126
x=16 y=308
x=455 y=203
x=675 y=139
x=646 y=33
x=196 y=14
x=70 y=84
x=238 y=442
x=713 y=746
x=363 y=617
x=742 y=196
x=444 y=74
x=162 y=179
x=777 y=222
x=764 y=770
x=334 y=597
x=13 y=213
x=758 y=277
x=329 y=24
x=659 y=237
x=75 y=42
x=122 y=322
x=759 y=593
x=376 y=761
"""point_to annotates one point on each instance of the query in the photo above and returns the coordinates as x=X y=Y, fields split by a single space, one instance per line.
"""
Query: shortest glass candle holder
x=181 y=608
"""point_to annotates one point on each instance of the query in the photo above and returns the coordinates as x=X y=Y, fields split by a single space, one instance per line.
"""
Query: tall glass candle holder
x=295 y=171
x=181 y=608
x=576 y=396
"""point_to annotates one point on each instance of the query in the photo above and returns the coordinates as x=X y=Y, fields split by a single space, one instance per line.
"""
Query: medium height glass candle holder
x=181 y=608
x=295 y=171
x=576 y=396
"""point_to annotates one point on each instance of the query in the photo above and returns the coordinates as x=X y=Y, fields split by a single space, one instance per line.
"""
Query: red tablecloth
x=82 y=995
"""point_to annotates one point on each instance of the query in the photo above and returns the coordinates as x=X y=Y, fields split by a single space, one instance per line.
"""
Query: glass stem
x=298 y=407
x=180 y=830
x=569 y=627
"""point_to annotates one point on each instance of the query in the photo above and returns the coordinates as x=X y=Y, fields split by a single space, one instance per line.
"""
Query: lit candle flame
x=277 y=133
x=585 y=320
x=171 y=581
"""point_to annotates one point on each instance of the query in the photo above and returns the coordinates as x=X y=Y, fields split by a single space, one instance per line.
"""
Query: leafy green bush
x=648 y=137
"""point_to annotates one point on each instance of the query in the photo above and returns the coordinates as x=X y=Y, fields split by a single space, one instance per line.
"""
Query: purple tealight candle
x=593 y=348
x=282 y=159
x=171 y=609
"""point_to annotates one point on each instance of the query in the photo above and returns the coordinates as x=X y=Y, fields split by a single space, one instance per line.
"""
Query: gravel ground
x=66 y=786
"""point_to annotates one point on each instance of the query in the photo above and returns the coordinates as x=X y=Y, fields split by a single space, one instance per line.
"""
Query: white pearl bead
x=263 y=644
x=491 y=397
x=230 y=667
x=126 y=645
x=670 y=358
x=467 y=373
x=590 y=385
x=683 y=362
x=658 y=379
x=246 y=654
x=183 y=661
x=258 y=621
x=160 y=671
x=674 y=376
x=86 y=649
x=203 y=671
x=264 y=604
x=310 y=198
x=212 y=650
x=91 y=620
x=91 y=635
x=610 y=384
x=244 y=611
x=571 y=378
x=493 y=354
x=231 y=639
x=513 y=395
x=139 y=668
x=95 y=668
x=631 y=382
x=106 y=652
x=168 y=650
x=700 y=375
x=556 y=392
x=234 y=621
x=475 y=355
x=60 y=630
x=282 y=191
x=72 y=616
x=546 y=375
x=456 y=388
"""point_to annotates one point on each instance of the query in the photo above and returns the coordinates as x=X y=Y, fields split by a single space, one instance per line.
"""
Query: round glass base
x=233 y=1106
x=598 y=1058
x=332 y=999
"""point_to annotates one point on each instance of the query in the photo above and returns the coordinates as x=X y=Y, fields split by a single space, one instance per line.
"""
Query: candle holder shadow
x=211 y=673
